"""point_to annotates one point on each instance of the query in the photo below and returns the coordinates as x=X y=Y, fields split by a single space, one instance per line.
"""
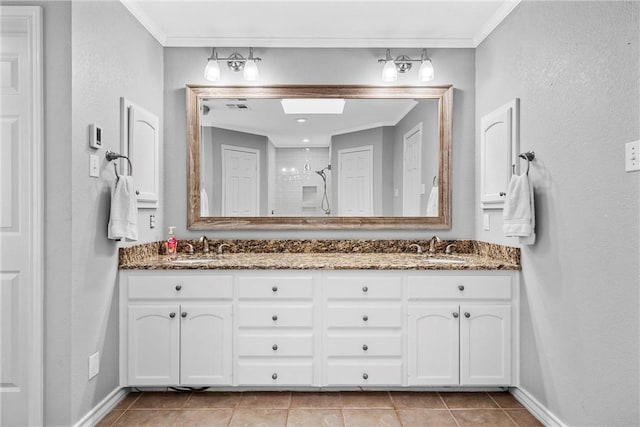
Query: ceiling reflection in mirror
x=352 y=157
x=325 y=157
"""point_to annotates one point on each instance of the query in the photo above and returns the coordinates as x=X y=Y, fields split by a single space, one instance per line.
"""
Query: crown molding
x=148 y=23
x=495 y=20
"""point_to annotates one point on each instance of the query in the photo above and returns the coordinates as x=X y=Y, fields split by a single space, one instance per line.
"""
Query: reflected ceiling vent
x=238 y=106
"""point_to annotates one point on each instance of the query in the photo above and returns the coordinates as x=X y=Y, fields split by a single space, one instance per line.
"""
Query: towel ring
x=111 y=156
x=528 y=156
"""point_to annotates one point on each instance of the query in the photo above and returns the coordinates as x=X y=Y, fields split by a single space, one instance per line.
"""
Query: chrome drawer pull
x=461 y=287
x=365 y=289
x=365 y=318
x=274 y=289
x=274 y=376
x=365 y=347
x=365 y=376
x=178 y=287
x=275 y=347
x=274 y=317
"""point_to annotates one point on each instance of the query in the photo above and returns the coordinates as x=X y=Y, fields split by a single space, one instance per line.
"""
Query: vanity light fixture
x=403 y=63
x=235 y=62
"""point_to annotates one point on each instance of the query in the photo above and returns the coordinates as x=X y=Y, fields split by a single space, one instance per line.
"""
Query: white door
x=20 y=216
x=142 y=139
x=206 y=337
x=485 y=345
x=240 y=181
x=412 y=172
x=355 y=182
x=154 y=344
x=433 y=344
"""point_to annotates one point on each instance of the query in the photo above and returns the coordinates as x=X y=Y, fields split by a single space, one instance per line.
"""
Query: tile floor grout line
x=512 y=420
x=444 y=402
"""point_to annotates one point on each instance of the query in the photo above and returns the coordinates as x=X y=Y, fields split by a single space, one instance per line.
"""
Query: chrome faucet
x=221 y=247
x=417 y=246
x=432 y=245
x=205 y=244
x=189 y=248
x=449 y=249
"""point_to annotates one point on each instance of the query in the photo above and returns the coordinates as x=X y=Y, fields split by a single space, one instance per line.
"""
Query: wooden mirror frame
x=194 y=95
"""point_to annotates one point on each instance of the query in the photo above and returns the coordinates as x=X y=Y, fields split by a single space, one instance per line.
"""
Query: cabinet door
x=154 y=345
x=485 y=345
x=433 y=344
x=205 y=356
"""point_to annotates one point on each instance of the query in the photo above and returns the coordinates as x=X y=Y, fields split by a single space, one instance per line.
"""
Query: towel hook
x=111 y=156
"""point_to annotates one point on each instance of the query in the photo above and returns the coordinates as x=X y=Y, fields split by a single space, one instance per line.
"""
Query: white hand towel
x=519 y=210
x=432 y=203
x=123 y=221
x=204 y=203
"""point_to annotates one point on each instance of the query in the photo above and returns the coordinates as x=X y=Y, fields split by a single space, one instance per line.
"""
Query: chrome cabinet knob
x=274 y=376
x=275 y=347
x=178 y=287
x=137 y=192
x=365 y=347
x=455 y=315
x=502 y=194
x=184 y=314
x=365 y=318
x=467 y=314
x=172 y=315
x=365 y=289
x=274 y=289
x=365 y=376
x=461 y=287
x=274 y=317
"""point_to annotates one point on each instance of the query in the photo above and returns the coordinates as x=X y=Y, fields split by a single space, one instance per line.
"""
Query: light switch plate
x=632 y=156
x=94 y=364
x=486 y=224
x=94 y=168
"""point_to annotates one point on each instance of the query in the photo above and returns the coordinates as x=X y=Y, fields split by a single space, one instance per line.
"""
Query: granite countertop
x=322 y=255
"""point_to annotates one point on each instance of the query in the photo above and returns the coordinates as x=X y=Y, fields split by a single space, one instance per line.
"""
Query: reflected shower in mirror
x=319 y=157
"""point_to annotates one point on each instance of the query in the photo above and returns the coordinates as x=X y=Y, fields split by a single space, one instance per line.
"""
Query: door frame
x=33 y=15
x=341 y=152
x=413 y=131
x=223 y=192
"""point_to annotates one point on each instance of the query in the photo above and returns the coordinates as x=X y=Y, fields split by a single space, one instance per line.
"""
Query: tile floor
x=326 y=409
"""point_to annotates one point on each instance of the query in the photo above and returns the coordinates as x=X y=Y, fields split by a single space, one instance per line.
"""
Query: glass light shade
x=251 y=71
x=212 y=71
x=389 y=72
x=426 y=72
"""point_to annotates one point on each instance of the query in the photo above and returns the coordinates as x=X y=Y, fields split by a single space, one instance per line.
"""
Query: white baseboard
x=94 y=416
x=538 y=410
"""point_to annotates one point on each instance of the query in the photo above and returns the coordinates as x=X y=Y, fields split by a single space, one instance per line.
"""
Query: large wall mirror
x=319 y=157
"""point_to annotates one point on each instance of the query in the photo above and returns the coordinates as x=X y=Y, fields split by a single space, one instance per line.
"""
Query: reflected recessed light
x=305 y=140
x=301 y=120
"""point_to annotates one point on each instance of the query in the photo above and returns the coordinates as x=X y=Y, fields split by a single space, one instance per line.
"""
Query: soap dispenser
x=172 y=242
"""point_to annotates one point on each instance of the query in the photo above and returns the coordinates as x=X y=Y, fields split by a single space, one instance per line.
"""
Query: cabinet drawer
x=364 y=287
x=364 y=373
x=299 y=373
x=363 y=345
x=250 y=345
x=364 y=316
x=219 y=287
x=447 y=287
x=275 y=287
x=275 y=316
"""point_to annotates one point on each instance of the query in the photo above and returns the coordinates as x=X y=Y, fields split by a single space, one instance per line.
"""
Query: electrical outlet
x=152 y=221
x=486 y=223
x=632 y=156
x=94 y=364
x=94 y=166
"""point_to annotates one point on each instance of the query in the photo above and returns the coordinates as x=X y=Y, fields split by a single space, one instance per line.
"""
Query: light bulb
x=251 y=71
x=389 y=72
x=426 y=72
x=212 y=70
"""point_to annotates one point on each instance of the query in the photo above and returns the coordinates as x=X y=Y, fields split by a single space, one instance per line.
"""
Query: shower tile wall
x=299 y=188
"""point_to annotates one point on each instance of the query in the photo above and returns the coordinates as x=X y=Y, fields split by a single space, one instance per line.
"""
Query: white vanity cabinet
x=460 y=330
x=318 y=328
x=175 y=329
